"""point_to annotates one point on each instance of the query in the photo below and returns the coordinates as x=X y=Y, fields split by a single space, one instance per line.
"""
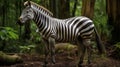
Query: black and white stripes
x=63 y=30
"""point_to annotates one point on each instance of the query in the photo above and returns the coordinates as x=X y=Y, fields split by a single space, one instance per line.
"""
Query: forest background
x=24 y=39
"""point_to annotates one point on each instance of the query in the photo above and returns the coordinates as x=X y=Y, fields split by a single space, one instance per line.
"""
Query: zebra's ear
x=27 y=3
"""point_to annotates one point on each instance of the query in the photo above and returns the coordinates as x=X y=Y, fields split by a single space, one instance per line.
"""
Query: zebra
x=74 y=30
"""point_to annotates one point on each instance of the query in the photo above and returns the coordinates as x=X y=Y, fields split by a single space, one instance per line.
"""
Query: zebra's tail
x=100 y=46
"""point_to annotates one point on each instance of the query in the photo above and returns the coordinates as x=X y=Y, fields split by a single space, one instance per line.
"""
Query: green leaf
x=7 y=33
x=117 y=45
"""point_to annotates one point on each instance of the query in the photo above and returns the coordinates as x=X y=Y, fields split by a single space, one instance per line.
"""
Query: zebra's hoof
x=79 y=66
x=53 y=62
x=45 y=64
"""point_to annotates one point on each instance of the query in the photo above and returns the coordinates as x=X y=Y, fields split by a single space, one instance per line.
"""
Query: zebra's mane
x=40 y=7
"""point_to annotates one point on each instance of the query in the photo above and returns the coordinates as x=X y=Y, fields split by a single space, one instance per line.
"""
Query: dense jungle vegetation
x=25 y=39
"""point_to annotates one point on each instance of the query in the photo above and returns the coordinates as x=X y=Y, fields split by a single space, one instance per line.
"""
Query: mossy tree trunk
x=9 y=59
x=113 y=11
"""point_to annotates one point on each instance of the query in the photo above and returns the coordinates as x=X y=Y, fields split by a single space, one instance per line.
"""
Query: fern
x=7 y=33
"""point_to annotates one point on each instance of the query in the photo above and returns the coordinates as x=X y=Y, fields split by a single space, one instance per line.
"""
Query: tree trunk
x=113 y=11
x=60 y=8
x=4 y=13
x=88 y=8
x=52 y=7
x=64 y=8
x=3 y=23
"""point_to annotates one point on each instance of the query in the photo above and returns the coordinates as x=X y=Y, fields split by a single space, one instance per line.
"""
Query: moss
x=9 y=59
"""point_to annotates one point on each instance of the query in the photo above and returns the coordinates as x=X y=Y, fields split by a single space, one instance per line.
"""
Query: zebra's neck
x=41 y=19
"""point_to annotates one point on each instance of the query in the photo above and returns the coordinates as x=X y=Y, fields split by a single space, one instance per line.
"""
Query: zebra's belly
x=66 y=39
x=66 y=35
x=71 y=42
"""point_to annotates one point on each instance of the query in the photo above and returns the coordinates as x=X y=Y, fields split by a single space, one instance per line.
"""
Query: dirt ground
x=65 y=58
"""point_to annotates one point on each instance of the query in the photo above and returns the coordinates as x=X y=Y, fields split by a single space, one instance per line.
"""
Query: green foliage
x=116 y=51
x=103 y=29
x=35 y=35
x=79 y=6
x=100 y=20
x=12 y=47
x=26 y=49
x=7 y=33
x=117 y=45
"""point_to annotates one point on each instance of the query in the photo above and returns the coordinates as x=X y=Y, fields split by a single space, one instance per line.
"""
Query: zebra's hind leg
x=81 y=53
x=87 y=43
x=52 y=49
x=89 y=51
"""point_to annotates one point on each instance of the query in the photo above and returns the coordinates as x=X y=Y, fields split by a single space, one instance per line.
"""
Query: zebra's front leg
x=46 y=52
x=52 y=49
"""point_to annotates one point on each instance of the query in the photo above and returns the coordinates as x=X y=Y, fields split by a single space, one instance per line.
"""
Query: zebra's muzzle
x=19 y=22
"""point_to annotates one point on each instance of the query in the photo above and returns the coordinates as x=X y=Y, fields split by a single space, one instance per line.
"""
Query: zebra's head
x=27 y=13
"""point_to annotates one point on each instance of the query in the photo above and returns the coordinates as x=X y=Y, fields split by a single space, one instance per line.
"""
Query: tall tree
x=60 y=8
x=64 y=8
x=4 y=13
x=53 y=7
x=88 y=8
x=3 y=23
x=113 y=11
